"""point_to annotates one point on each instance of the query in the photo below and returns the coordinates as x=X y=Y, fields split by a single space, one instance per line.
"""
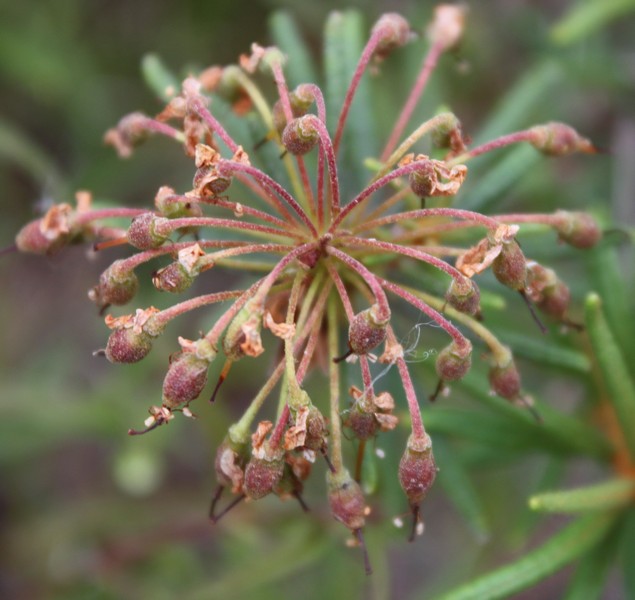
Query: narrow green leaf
x=494 y=182
x=284 y=31
x=344 y=39
x=547 y=351
x=563 y=548
x=588 y=17
x=17 y=148
x=615 y=287
x=601 y=496
x=515 y=109
x=251 y=575
x=593 y=569
x=627 y=551
x=614 y=368
x=159 y=78
x=460 y=489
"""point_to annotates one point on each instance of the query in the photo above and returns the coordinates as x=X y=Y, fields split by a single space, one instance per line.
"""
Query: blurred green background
x=86 y=511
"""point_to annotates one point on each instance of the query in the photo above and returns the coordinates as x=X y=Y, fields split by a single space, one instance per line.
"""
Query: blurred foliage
x=86 y=512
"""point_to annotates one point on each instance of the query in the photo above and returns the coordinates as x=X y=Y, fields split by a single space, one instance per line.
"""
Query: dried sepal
x=132 y=336
x=478 y=258
x=433 y=177
x=464 y=296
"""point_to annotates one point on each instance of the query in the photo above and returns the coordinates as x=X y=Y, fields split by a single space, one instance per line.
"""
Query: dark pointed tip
x=329 y=464
x=360 y=538
x=532 y=311
x=103 y=309
x=222 y=513
x=344 y=356
x=437 y=390
x=100 y=352
x=415 y=522
x=301 y=501
x=146 y=430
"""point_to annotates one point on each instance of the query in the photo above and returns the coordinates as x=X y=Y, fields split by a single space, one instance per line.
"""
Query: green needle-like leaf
x=563 y=548
x=159 y=78
x=285 y=34
x=612 y=363
x=460 y=489
x=588 y=17
x=592 y=570
x=601 y=496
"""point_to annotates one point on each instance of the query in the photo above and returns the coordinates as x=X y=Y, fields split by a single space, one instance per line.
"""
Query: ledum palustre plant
x=340 y=251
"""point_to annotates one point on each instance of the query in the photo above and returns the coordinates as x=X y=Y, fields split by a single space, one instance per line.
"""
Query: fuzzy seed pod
x=300 y=135
x=578 y=229
x=559 y=139
x=187 y=374
x=365 y=332
x=127 y=346
x=395 y=32
x=143 y=231
x=423 y=181
x=300 y=99
x=117 y=285
x=454 y=361
x=547 y=291
x=346 y=499
x=505 y=380
x=361 y=421
x=417 y=470
x=464 y=295
x=129 y=133
x=263 y=472
x=48 y=234
x=510 y=266
x=174 y=278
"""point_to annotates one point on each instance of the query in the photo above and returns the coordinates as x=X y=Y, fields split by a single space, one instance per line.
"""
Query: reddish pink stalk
x=364 y=59
x=327 y=148
x=174 y=224
x=162 y=128
x=383 y=314
x=418 y=431
x=422 y=213
x=373 y=187
x=182 y=307
x=107 y=213
x=266 y=195
x=267 y=182
x=457 y=336
x=283 y=92
x=429 y=64
x=203 y=112
x=501 y=142
x=407 y=251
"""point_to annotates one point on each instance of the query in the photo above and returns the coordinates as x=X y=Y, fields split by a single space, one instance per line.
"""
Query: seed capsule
x=464 y=295
x=365 y=332
x=578 y=229
x=454 y=361
x=510 y=266
x=300 y=135
x=143 y=231
x=117 y=285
